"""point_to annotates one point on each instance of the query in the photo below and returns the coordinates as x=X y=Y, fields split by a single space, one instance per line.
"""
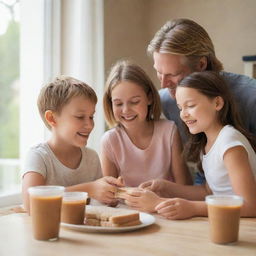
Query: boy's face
x=75 y=122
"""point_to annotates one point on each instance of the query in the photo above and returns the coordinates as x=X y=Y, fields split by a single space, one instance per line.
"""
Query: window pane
x=9 y=96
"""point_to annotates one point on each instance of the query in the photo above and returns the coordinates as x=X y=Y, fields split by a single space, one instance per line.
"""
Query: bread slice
x=92 y=222
x=111 y=217
x=126 y=224
x=121 y=192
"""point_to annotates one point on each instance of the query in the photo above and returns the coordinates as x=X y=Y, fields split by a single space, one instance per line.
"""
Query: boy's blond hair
x=53 y=96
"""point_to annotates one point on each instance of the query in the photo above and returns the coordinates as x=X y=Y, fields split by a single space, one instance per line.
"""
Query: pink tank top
x=137 y=165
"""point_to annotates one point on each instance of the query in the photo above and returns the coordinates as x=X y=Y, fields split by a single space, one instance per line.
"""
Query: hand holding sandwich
x=104 y=189
x=142 y=200
x=160 y=186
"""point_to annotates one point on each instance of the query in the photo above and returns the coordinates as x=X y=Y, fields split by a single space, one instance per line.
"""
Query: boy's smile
x=75 y=122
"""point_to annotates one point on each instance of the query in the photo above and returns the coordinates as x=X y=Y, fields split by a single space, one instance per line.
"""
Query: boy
x=67 y=106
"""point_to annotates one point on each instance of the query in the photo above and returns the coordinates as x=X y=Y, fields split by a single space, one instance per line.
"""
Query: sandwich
x=111 y=217
x=122 y=191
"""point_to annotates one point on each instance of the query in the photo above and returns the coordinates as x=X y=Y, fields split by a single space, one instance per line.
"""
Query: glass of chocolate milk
x=45 y=209
x=224 y=217
x=73 y=207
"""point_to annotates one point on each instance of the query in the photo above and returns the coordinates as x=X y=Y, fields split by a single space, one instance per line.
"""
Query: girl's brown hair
x=127 y=71
x=212 y=84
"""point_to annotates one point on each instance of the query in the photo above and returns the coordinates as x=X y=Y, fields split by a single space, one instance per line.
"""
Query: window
x=9 y=97
x=47 y=49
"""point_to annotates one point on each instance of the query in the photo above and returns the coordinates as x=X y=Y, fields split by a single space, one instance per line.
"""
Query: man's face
x=171 y=69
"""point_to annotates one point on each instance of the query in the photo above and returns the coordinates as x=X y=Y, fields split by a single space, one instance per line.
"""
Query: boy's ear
x=219 y=103
x=50 y=118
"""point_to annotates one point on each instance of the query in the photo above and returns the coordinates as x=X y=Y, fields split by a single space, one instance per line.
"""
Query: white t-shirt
x=41 y=159
x=213 y=165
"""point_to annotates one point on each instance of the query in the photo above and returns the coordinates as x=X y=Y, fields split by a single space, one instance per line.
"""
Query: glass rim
x=75 y=195
x=46 y=190
x=228 y=200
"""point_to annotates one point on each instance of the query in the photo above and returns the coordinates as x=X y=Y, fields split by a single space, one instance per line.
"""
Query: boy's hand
x=142 y=200
x=176 y=209
x=104 y=190
x=119 y=182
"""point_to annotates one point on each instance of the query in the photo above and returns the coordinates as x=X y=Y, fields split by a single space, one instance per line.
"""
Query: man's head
x=179 y=48
x=57 y=94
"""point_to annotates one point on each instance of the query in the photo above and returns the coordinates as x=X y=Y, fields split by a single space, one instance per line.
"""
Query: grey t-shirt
x=41 y=159
x=244 y=91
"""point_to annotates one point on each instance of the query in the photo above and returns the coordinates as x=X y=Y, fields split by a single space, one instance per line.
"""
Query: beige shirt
x=41 y=159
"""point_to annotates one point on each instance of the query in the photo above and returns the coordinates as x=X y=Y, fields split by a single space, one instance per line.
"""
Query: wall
x=131 y=24
x=126 y=32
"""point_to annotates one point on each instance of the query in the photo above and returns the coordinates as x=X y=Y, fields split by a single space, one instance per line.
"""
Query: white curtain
x=59 y=37
x=82 y=44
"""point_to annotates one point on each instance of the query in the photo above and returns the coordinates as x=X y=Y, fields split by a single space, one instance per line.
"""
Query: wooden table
x=165 y=237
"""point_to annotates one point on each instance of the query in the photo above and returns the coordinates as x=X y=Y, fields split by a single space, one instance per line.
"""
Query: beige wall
x=131 y=24
x=126 y=31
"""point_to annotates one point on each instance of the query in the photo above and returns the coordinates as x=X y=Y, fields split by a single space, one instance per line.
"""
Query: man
x=181 y=47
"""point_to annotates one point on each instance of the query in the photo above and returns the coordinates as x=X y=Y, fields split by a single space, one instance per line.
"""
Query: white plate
x=145 y=218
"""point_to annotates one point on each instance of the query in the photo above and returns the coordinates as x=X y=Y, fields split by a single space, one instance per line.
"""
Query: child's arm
x=142 y=200
x=178 y=209
x=30 y=179
x=243 y=182
x=108 y=167
x=170 y=208
x=178 y=166
x=173 y=208
x=103 y=189
x=165 y=188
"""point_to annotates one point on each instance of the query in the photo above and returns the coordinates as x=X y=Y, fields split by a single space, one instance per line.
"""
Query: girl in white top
x=217 y=141
x=139 y=147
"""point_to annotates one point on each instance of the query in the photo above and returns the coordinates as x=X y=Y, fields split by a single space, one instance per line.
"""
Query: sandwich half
x=111 y=217
x=122 y=191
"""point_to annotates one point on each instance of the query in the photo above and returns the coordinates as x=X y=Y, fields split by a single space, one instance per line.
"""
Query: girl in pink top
x=140 y=146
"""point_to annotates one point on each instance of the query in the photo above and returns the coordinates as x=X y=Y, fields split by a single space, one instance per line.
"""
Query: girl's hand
x=176 y=209
x=159 y=186
x=142 y=200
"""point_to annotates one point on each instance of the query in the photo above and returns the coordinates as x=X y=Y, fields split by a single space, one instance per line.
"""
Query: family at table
x=210 y=120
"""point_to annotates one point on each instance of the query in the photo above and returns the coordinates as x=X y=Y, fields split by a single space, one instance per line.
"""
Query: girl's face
x=197 y=111
x=75 y=122
x=130 y=104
